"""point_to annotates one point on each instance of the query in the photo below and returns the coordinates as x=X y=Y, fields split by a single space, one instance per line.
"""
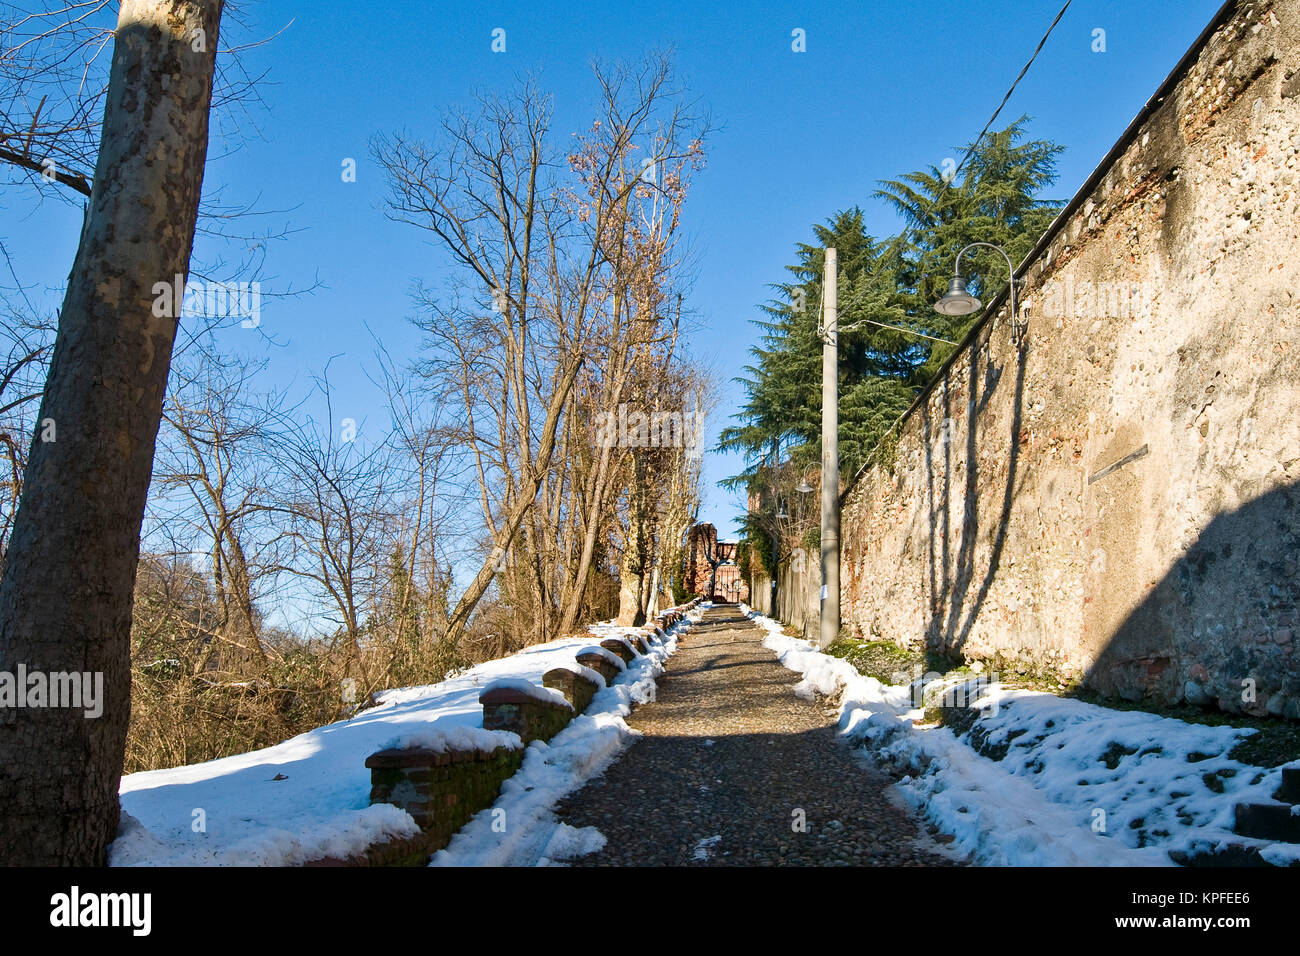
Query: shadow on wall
x=951 y=580
x=1219 y=629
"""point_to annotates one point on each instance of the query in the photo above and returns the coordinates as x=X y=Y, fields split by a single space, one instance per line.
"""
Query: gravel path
x=729 y=763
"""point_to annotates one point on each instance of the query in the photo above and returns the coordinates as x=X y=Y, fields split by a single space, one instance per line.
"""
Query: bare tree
x=425 y=457
x=334 y=500
x=212 y=476
x=25 y=344
x=54 y=77
x=51 y=102
x=643 y=329
x=537 y=238
x=67 y=588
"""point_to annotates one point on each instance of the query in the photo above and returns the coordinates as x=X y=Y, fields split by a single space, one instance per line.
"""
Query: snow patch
x=455 y=738
x=702 y=848
x=1076 y=784
x=568 y=842
x=547 y=695
x=606 y=653
x=595 y=677
x=308 y=797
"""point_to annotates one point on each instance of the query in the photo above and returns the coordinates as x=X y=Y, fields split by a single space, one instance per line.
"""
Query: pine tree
x=883 y=283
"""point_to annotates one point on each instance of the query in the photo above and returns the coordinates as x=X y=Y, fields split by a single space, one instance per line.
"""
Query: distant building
x=711 y=569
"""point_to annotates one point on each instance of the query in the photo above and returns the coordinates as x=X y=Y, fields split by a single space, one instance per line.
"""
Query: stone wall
x=701 y=551
x=1162 y=318
x=798 y=593
x=440 y=790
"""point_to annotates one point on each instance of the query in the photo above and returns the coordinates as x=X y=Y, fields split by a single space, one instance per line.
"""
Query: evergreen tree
x=885 y=286
x=996 y=202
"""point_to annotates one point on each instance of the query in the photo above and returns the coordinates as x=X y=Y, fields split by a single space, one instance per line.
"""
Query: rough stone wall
x=798 y=593
x=1163 y=326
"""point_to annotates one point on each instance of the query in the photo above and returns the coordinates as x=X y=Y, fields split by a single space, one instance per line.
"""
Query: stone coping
x=401 y=758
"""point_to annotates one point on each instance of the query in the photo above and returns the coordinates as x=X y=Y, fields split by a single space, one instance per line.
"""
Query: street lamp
x=957 y=301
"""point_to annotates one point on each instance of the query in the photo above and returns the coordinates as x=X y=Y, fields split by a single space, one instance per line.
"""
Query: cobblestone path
x=731 y=761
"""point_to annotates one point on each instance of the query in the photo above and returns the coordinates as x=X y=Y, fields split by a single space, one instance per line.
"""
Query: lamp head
x=804 y=488
x=957 y=301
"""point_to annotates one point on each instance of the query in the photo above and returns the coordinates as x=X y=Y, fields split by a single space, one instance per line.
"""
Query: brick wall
x=443 y=787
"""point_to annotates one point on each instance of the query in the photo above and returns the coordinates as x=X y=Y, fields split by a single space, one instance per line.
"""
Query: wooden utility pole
x=830 y=599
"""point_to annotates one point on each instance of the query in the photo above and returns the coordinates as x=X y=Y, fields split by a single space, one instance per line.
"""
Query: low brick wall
x=667 y=619
x=505 y=708
x=578 y=689
x=440 y=791
x=601 y=665
x=406 y=851
x=443 y=789
x=620 y=647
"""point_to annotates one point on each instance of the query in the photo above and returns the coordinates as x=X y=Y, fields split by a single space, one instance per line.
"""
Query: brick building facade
x=711 y=569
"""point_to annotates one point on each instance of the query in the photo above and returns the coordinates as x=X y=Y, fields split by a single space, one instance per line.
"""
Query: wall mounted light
x=958 y=301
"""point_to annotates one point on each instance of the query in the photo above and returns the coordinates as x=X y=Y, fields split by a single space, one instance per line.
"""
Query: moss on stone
x=882 y=660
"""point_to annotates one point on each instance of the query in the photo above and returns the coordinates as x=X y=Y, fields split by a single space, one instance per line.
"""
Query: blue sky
x=883 y=88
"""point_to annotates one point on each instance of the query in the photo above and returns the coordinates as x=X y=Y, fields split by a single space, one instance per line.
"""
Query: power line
x=821 y=329
x=896 y=328
x=971 y=149
x=992 y=119
x=969 y=152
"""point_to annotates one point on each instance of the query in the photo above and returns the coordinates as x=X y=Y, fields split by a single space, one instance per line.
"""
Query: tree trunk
x=66 y=593
x=518 y=509
x=652 y=602
x=597 y=506
x=631 y=594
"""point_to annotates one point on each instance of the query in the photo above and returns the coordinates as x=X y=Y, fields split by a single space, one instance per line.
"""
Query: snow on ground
x=520 y=829
x=1079 y=784
x=704 y=847
x=308 y=797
